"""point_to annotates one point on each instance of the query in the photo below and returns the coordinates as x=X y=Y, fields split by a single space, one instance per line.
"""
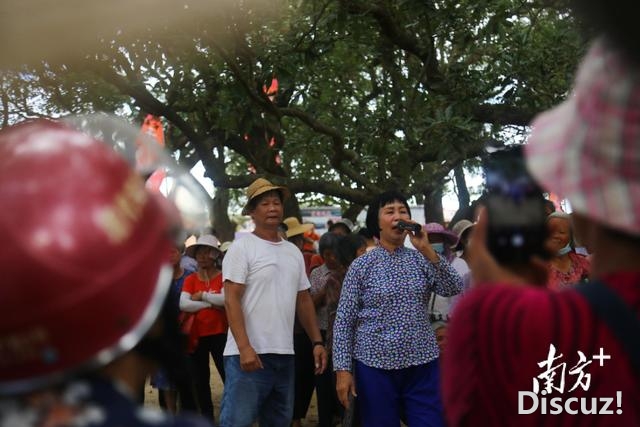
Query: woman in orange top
x=202 y=294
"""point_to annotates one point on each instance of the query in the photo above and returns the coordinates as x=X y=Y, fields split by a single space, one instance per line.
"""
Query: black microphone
x=409 y=226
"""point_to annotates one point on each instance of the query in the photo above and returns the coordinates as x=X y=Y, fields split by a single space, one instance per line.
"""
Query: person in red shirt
x=310 y=240
x=202 y=294
x=529 y=356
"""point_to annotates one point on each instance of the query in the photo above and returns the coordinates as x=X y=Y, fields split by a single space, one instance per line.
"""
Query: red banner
x=152 y=126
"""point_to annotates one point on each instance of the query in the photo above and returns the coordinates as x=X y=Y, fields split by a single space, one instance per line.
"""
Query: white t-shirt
x=460 y=266
x=273 y=273
x=440 y=307
x=463 y=270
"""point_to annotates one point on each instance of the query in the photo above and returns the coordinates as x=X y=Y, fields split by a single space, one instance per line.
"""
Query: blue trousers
x=265 y=395
x=386 y=395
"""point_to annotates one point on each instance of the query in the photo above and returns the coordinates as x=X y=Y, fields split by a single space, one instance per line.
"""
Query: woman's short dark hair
x=328 y=241
x=380 y=201
x=366 y=233
x=347 y=248
x=298 y=239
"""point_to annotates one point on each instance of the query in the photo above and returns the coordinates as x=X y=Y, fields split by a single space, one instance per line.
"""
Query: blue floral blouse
x=382 y=318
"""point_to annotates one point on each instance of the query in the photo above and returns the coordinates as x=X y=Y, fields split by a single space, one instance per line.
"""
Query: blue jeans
x=265 y=395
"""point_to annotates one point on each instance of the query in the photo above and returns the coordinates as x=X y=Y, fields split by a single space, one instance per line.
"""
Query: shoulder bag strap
x=618 y=316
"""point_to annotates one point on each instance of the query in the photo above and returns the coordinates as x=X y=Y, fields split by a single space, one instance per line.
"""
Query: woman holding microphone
x=384 y=350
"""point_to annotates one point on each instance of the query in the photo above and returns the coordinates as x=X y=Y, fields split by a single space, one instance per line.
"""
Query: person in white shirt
x=265 y=287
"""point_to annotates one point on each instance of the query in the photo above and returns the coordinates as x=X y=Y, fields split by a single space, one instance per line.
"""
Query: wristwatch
x=315 y=343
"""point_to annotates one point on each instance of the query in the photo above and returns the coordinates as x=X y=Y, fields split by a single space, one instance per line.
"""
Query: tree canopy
x=372 y=95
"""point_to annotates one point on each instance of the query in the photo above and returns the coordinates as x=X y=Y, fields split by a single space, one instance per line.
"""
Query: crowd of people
x=433 y=333
x=197 y=296
x=360 y=316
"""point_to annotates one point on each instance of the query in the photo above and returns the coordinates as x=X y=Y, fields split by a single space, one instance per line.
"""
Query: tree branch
x=302 y=186
x=502 y=114
x=403 y=39
x=258 y=98
x=341 y=157
x=153 y=106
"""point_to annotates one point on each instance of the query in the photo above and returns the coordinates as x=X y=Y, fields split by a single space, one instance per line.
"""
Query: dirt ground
x=151 y=399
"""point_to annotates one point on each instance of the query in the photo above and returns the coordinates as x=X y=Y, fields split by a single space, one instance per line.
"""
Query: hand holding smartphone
x=515 y=209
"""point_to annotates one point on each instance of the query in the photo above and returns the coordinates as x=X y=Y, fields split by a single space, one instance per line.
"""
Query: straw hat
x=204 y=240
x=459 y=228
x=261 y=186
x=294 y=227
x=586 y=149
x=224 y=246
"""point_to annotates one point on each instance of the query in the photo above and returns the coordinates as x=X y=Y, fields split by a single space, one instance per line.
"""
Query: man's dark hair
x=380 y=201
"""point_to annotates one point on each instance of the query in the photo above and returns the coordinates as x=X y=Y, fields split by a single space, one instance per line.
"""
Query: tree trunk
x=291 y=207
x=433 y=211
x=223 y=227
x=352 y=213
x=464 y=199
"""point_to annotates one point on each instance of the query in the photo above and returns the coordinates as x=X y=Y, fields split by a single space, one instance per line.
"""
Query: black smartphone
x=515 y=208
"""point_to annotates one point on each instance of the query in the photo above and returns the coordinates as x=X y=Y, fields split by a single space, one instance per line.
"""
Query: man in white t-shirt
x=265 y=287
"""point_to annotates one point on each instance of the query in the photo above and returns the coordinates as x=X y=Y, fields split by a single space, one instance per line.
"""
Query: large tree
x=372 y=95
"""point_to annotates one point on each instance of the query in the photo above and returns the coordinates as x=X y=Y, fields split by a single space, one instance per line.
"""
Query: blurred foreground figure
x=525 y=356
x=85 y=274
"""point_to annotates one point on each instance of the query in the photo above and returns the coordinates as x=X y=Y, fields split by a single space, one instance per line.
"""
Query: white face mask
x=565 y=250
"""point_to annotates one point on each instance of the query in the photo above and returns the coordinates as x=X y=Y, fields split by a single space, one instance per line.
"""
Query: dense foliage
x=371 y=95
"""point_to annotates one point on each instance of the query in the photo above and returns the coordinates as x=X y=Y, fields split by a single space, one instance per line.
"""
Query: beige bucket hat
x=261 y=186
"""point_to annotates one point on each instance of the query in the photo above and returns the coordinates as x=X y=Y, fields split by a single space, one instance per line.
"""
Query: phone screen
x=515 y=207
